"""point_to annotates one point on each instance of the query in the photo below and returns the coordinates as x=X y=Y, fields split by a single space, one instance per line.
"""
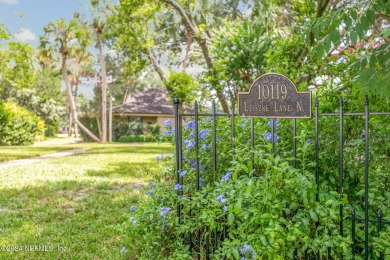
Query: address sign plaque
x=274 y=95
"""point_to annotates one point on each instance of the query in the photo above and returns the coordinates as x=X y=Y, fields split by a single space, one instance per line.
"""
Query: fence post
x=341 y=155
x=176 y=102
x=317 y=147
x=353 y=231
x=233 y=129
x=215 y=164
x=366 y=103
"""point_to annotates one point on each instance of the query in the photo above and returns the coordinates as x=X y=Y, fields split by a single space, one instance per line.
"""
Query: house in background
x=147 y=106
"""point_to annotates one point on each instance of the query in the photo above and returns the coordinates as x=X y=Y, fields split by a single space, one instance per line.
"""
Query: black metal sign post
x=274 y=95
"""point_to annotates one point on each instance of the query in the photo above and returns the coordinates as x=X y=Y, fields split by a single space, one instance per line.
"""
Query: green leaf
x=327 y=44
x=263 y=240
x=230 y=218
x=335 y=37
x=269 y=147
x=372 y=61
x=237 y=207
x=354 y=15
x=360 y=30
x=386 y=33
x=249 y=189
x=348 y=21
x=313 y=216
x=320 y=51
x=353 y=36
x=236 y=254
x=370 y=17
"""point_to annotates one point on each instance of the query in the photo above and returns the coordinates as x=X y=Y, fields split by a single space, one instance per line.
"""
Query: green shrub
x=119 y=129
x=52 y=128
x=153 y=129
x=266 y=202
x=19 y=126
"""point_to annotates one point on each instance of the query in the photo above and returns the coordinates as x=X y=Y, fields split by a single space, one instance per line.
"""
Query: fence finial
x=366 y=102
x=316 y=102
x=176 y=101
x=341 y=101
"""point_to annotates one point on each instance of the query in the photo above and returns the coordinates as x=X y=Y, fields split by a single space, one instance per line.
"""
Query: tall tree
x=148 y=27
x=81 y=68
x=62 y=39
x=99 y=10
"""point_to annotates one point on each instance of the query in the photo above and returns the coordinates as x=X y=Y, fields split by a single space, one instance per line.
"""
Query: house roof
x=147 y=101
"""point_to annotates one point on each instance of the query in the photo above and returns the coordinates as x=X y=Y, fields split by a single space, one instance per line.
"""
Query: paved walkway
x=40 y=158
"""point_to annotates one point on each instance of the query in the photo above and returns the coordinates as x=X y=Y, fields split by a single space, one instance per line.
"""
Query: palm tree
x=62 y=39
x=99 y=10
x=82 y=68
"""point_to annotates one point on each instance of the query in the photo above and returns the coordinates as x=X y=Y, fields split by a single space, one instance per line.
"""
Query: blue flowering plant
x=263 y=196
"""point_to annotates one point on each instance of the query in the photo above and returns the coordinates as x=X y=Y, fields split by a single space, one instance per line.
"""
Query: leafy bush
x=268 y=207
x=19 y=126
x=120 y=128
x=153 y=129
x=52 y=128
x=135 y=128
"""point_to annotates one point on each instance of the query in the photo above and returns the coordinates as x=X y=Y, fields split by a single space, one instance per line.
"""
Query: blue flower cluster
x=151 y=191
x=132 y=208
x=123 y=250
x=189 y=144
x=193 y=164
x=182 y=173
x=168 y=122
x=164 y=210
x=190 y=125
x=268 y=137
x=273 y=122
x=203 y=133
x=246 y=249
x=159 y=157
x=221 y=199
x=163 y=225
x=169 y=131
x=226 y=177
x=201 y=182
x=177 y=186
x=244 y=123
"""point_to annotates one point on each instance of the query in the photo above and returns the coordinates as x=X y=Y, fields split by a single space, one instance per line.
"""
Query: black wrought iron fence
x=210 y=241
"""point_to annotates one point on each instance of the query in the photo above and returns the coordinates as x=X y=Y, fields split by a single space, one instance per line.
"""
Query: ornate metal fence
x=209 y=243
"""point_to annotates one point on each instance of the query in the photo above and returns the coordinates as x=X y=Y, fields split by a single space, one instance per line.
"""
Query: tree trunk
x=201 y=40
x=103 y=72
x=72 y=104
x=70 y=124
x=75 y=102
x=188 y=50
x=99 y=125
x=156 y=66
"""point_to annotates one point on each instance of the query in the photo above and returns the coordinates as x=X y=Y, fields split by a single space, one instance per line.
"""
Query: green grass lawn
x=76 y=202
x=51 y=145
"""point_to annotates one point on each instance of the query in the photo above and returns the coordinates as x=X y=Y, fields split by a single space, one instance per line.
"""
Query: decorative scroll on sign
x=274 y=96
